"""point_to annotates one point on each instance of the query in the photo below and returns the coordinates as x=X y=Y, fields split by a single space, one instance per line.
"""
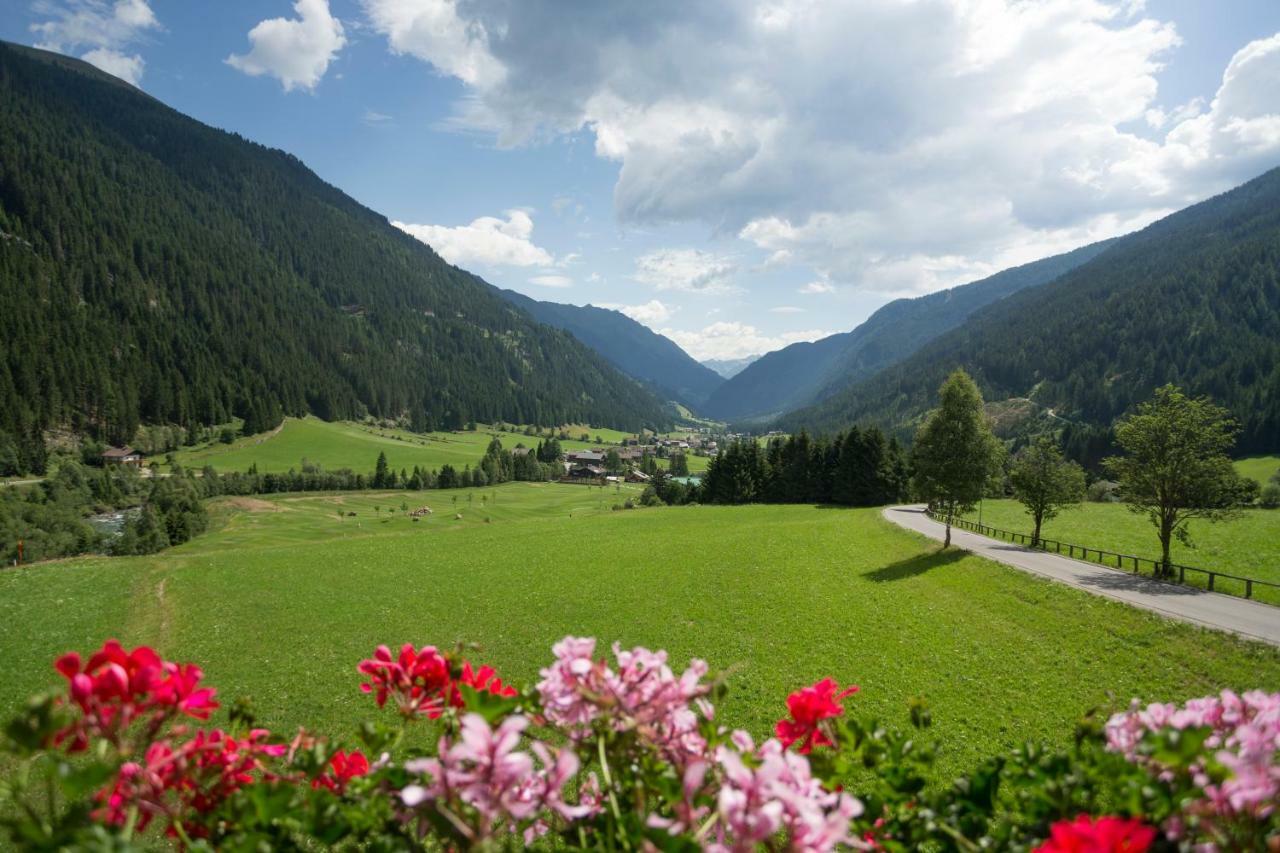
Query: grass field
x=1258 y=468
x=284 y=598
x=356 y=446
x=1248 y=546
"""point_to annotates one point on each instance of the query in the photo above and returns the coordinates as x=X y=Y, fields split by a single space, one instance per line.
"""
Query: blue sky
x=738 y=174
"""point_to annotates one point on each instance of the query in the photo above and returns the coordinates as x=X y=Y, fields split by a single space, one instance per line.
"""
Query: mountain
x=1193 y=299
x=631 y=347
x=156 y=270
x=806 y=373
x=729 y=367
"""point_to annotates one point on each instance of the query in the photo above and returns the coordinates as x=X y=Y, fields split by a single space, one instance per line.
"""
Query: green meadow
x=1259 y=468
x=344 y=444
x=1248 y=546
x=288 y=593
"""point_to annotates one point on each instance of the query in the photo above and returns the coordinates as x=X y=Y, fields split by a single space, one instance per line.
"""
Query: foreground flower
x=1105 y=835
x=181 y=780
x=500 y=785
x=1244 y=738
x=781 y=795
x=420 y=683
x=117 y=688
x=808 y=708
x=343 y=767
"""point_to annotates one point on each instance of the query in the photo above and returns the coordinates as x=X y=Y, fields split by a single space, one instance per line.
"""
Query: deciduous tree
x=955 y=452
x=1175 y=466
x=1045 y=483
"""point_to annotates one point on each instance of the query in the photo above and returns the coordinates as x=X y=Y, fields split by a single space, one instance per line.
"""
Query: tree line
x=859 y=467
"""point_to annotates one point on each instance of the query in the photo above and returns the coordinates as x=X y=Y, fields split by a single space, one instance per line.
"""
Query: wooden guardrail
x=1119 y=561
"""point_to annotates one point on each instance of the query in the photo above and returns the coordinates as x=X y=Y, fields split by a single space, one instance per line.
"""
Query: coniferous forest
x=1192 y=300
x=156 y=270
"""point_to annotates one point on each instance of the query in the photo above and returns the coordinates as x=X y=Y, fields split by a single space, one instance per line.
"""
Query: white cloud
x=374 y=118
x=650 y=313
x=686 y=269
x=786 y=309
x=105 y=28
x=817 y=287
x=884 y=144
x=551 y=280
x=731 y=339
x=488 y=240
x=297 y=51
x=127 y=68
x=432 y=31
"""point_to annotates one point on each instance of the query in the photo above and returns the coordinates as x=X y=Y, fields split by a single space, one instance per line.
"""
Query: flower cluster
x=642 y=695
x=484 y=770
x=118 y=688
x=421 y=682
x=1243 y=739
x=780 y=794
x=808 y=708
x=1104 y=835
x=640 y=761
x=176 y=778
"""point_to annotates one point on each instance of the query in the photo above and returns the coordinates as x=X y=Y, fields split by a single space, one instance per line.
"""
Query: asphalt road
x=1213 y=610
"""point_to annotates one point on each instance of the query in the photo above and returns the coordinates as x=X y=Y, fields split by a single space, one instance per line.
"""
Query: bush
x=227 y=435
x=1101 y=492
x=1269 y=497
x=607 y=753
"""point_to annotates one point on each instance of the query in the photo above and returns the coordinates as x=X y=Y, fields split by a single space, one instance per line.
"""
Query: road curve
x=1210 y=609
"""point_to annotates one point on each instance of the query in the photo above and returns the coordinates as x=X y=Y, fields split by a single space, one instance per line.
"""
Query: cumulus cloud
x=686 y=269
x=650 y=313
x=886 y=145
x=489 y=241
x=730 y=339
x=106 y=29
x=551 y=280
x=296 y=51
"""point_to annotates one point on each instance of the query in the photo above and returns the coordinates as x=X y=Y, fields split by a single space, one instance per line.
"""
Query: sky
x=736 y=174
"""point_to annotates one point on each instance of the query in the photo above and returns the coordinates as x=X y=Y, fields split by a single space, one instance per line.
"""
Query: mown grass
x=356 y=446
x=1248 y=546
x=284 y=598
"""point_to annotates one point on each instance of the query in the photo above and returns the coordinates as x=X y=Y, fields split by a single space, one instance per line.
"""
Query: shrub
x=612 y=753
x=1101 y=491
x=1269 y=497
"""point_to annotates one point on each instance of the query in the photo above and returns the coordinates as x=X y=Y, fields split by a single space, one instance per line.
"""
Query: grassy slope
x=1248 y=546
x=1258 y=468
x=284 y=600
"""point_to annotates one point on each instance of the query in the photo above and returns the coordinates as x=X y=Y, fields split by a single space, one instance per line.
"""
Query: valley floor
x=287 y=595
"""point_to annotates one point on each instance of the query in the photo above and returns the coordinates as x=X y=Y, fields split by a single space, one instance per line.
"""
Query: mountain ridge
x=175 y=273
x=806 y=373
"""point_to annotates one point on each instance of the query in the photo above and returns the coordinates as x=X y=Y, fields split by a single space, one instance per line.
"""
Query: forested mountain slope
x=1193 y=299
x=806 y=373
x=632 y=347
x=154 y=269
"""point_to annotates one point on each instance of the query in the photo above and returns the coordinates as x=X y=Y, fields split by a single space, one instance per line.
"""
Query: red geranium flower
x=1105 y=835
x=420 y=682
x=117 y=688
x=809 y=707
x=344 y=766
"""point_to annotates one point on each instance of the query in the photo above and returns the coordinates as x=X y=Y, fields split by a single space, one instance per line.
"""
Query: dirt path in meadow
x=1188 y=604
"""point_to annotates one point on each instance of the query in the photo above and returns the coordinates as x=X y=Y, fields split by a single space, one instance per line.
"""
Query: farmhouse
x=121 y=456
x=585 y=457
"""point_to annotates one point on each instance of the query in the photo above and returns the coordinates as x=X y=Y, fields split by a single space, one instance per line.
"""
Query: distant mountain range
x=1193 y=299
x=632 y=347
x=729 y=367
x=156 y=270
x=806 y=373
